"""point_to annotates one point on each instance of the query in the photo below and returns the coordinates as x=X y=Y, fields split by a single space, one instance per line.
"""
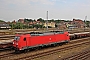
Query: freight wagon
x=79 y=35
x=35 y=39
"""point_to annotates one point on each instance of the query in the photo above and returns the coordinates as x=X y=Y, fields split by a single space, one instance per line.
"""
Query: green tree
x=41 y=20
x=87 y=23
x=37 y=26
x=28 y=20
x=2 y=21
x=17 y=25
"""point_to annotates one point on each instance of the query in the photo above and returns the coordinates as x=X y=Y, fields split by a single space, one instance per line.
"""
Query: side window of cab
x=24 y=39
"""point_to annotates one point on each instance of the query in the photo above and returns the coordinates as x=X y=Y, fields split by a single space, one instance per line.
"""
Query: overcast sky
x=58 y=9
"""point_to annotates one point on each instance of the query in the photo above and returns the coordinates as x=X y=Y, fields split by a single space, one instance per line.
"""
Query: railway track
x=80 y=56
x=34 y=56
x=6 y=41
x=6 y=50
x=6 y=55
x=7 y=37
x=79 y=42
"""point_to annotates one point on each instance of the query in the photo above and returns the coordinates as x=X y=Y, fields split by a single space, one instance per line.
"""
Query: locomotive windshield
x=16 y=38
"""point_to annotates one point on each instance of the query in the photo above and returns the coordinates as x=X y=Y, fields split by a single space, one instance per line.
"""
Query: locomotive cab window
x=24 y=39
x=16 y=38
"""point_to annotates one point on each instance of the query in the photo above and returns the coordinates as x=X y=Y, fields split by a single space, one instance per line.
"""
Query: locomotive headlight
x=16 y=43
x=13 y=42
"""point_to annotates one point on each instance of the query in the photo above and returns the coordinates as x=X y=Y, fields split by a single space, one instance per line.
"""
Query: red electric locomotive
x=34 y=39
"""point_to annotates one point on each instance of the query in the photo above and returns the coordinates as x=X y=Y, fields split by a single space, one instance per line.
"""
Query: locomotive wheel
x=39 y=47
x=25 y=50
x=17 y=51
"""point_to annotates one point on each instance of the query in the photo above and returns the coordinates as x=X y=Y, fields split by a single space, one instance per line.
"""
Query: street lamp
x=47 y=21
x=85 y=23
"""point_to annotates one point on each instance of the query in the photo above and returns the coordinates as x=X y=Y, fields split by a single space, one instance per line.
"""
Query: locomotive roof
x=45 y=33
